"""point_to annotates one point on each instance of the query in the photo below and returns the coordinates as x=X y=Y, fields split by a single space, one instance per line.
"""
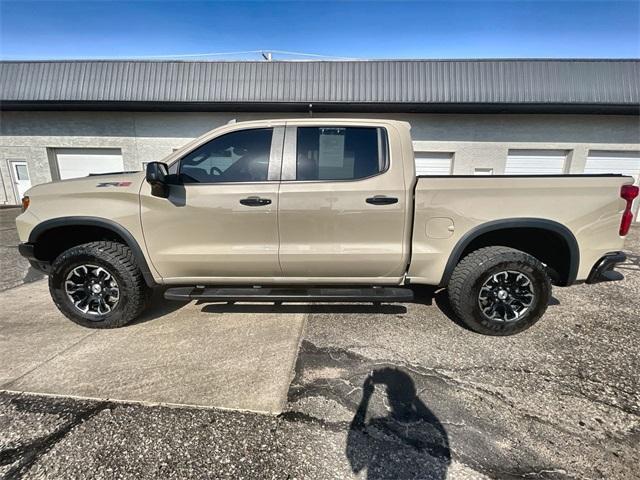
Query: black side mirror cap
x=157 y=173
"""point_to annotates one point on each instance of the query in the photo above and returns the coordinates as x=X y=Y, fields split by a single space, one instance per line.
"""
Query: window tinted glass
x=343 y=153
x=241 y=156
x=21 y=172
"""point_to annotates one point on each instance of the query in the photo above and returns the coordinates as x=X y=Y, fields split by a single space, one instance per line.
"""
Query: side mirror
x=157 y=177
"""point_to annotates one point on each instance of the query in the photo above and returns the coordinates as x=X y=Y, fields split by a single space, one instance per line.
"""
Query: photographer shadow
x=407 y=443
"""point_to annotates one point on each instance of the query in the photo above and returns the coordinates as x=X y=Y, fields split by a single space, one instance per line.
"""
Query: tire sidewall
x=541 y=289
x=82 y=256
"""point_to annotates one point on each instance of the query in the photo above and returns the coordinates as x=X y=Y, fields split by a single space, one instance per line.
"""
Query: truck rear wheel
x=499 y=290
x=98 y=285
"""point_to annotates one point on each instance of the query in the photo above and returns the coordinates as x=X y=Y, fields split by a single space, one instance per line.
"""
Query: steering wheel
x=215 y=171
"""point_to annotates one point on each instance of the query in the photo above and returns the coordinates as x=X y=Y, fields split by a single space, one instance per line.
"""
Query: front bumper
x=27 y=250
x=603 y=270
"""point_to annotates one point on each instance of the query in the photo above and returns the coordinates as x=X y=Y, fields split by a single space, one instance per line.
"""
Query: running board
x=280 y=294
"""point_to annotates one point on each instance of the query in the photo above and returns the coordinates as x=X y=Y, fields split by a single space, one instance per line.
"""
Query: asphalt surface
x=391 y=392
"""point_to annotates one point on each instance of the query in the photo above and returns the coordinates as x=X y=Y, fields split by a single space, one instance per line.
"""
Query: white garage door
x=626 y=163
x=434 y=163
x=536 y=162
x=80 y=162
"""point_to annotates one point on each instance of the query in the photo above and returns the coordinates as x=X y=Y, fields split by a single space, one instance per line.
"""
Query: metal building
x=63 y=119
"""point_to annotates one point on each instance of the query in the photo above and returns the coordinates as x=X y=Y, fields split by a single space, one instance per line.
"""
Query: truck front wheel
x=98 y=285
x=499 y=290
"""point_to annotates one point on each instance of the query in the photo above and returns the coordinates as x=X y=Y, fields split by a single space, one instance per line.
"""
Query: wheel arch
x=515 y=229
x=90 y=226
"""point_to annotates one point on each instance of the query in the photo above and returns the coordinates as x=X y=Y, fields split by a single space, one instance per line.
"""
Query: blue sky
x=360 y=29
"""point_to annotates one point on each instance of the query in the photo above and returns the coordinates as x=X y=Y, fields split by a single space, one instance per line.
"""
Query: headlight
x=25 y=203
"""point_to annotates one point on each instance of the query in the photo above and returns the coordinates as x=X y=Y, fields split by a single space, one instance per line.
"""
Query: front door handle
x=255 y=201
x=381 y=200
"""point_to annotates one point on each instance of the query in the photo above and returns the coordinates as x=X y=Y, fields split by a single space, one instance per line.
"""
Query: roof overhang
x=609 y=86
x=299 y=107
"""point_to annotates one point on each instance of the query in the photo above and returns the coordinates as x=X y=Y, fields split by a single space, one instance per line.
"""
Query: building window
x=483 y=171
x=434 y=163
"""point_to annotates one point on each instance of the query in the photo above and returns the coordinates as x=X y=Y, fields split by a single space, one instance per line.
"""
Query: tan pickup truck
x=323 y=210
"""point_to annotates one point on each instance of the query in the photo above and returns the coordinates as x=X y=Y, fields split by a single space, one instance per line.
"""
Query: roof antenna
x=267 y=56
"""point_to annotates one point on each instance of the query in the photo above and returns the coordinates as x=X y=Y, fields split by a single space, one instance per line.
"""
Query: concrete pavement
x=176 y=353
x=15 y=269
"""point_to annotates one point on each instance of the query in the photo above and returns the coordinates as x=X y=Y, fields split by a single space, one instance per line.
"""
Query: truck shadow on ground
x=632 y=263
x=423 y=295
x=33 y=275
x=158 y=307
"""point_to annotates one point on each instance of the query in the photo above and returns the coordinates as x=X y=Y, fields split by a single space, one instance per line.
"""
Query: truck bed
x=450 y=207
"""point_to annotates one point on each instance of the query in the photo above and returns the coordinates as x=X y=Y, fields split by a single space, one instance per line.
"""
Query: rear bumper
x=603 y=270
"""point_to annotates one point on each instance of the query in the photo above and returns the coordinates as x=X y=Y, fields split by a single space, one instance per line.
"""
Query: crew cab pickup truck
x=323 y=210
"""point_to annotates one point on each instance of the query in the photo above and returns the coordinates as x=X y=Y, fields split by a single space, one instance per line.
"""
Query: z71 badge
x=114 y=184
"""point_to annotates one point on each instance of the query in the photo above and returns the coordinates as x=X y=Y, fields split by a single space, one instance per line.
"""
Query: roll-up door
x=536 y=162
x=80 y=162
x=625 y=163
x=434 y=163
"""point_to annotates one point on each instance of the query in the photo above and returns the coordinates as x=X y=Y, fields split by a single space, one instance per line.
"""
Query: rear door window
x=340 y=153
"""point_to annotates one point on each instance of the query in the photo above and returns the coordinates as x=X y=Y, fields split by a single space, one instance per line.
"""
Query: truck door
x=220 y=220
x=343 y=204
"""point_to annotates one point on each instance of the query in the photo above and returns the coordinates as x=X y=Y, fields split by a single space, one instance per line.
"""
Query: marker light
x=25 y=203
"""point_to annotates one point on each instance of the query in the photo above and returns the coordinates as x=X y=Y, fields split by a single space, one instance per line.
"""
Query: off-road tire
x=476 y=268
x=117 y=259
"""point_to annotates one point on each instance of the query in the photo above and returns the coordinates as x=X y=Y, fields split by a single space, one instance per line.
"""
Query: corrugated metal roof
x=572 y=82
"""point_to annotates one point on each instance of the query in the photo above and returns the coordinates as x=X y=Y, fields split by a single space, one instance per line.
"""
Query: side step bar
x=280 y=294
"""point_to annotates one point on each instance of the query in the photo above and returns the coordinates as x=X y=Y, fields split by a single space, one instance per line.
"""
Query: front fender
x=41 y=228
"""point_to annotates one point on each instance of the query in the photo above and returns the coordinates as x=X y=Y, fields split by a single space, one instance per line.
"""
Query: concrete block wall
x=476 y=141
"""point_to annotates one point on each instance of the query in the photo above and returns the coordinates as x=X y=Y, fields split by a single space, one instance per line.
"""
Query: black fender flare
x=539 y=223
x=115 y=227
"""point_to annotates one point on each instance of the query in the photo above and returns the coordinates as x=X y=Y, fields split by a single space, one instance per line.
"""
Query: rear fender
x=514 y=223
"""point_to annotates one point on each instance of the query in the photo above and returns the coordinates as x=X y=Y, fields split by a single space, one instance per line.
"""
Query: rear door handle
x=255 y=201
x=381 y=200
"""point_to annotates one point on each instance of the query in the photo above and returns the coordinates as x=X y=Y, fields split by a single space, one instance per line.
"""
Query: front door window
x=241 y=156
